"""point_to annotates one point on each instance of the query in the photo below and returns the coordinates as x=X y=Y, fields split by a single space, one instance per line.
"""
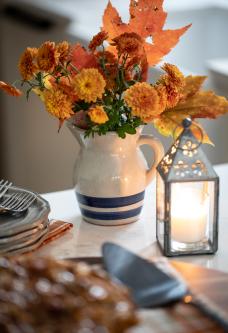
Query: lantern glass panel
x=192 y=215
x=160 y=203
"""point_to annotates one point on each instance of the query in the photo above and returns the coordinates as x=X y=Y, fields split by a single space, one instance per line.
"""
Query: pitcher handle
x=158 y=150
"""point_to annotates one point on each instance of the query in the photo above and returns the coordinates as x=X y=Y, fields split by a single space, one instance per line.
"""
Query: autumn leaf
x=147 y=19
x=112 y=22
x=192 y=85
x=9 y=89
x=163 y=42
x=204 y=104
x=195 y=104
x=80 y=58
x=172 y=127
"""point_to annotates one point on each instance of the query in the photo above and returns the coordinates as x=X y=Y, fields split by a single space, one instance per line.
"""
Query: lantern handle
x=158 y=151
x=187 y=123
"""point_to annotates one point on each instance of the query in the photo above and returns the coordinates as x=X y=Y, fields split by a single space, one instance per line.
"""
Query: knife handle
x=208 y=308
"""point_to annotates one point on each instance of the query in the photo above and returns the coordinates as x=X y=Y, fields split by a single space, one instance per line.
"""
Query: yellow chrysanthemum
x=171 y=84
x=143 y=100
x=98 y=115
x=58 y=104
x=89 y=85
x=47 y=57
x=27 y=66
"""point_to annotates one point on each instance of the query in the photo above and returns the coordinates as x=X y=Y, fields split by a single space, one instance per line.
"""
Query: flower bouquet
x=104 y=87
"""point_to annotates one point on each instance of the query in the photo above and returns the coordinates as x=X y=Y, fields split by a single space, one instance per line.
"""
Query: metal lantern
x=187 y=198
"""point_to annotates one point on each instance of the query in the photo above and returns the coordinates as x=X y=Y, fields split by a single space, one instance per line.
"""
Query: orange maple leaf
x=147 y=18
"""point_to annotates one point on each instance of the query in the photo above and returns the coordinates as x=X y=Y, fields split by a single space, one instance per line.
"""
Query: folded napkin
x=56 y=229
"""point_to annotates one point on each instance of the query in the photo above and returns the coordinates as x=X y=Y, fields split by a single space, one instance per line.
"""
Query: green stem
x=74 y=67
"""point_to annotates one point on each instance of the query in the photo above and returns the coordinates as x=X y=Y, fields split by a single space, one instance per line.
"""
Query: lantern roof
x=185 y=160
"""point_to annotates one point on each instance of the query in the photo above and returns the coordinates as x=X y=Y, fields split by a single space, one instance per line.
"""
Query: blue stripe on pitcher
x=109 y=202
x=111 y=215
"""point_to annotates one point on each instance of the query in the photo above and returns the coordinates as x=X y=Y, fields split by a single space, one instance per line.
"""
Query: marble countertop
x=86 y=239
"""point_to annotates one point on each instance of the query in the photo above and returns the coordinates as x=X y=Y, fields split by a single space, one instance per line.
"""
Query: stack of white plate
x=24 y=232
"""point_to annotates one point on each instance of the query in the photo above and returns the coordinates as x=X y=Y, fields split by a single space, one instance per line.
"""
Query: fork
x=4 y=186
x=17 y=203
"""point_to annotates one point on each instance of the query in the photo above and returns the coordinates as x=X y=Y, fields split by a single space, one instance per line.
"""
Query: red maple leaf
x=81 y=58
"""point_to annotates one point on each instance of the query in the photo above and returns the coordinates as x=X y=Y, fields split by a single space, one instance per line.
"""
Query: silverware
x=17 y=202
x=37 y=213
x=4 y=186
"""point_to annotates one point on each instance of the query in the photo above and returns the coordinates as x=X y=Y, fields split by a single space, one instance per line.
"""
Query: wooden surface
x=186 y=318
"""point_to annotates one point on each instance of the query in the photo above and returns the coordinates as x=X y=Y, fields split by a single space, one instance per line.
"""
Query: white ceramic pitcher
x=111 y=175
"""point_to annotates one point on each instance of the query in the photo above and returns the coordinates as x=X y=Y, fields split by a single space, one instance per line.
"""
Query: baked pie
x=42 y=295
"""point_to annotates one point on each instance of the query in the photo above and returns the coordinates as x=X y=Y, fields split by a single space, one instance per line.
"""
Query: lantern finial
x=187 y=122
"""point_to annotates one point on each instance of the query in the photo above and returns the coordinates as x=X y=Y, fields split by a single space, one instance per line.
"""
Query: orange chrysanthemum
x=67 y=88
x=10 y=90
x=97 y=40
x=89 y=85
x=63 y=83
x=142 y=65
x=110 y=76
x=27 y=65
x=63 y=50
x=132 y=62
x=129 y=69
x=47 y=57
x=108 y=57
x=58 y=104
x=171 y=84
x=98 y=115
x=143 y=100
x=128 y=42
x=162 y=93
x=109 y=60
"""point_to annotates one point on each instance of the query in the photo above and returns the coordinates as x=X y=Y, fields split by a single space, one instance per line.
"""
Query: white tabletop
x=86 y=239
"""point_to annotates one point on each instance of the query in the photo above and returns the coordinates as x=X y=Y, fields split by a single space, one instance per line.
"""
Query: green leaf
x=121 y=133
x=28 y=93
x=129 y=129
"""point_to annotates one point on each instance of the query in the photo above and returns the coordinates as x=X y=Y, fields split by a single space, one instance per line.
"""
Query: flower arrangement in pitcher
x=104 y=88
